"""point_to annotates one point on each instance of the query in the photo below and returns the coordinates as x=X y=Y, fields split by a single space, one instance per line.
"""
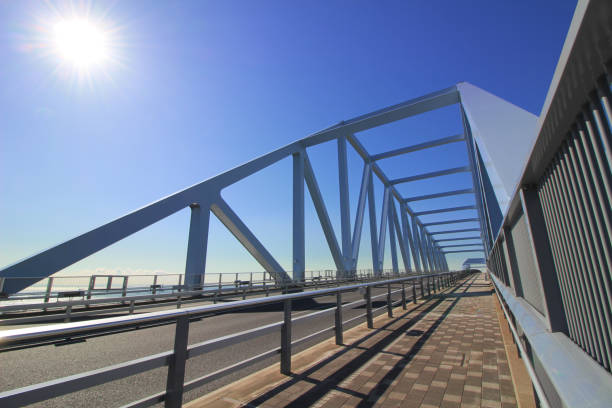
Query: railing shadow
x=334 y=379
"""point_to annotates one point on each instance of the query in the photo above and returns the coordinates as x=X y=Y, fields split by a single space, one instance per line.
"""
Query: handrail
x=563 y=368
x=517 y=340
x=176 y=360
x=14 y=336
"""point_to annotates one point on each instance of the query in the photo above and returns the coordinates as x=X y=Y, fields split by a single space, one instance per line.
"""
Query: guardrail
x=562 y=375
x=66 y=310
x=176 y=358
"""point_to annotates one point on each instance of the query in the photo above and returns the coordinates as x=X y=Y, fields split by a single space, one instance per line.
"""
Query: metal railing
x=66 y=310
x=176 y=358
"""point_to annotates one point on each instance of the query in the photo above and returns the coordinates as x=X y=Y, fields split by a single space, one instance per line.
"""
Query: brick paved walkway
x=443 y=352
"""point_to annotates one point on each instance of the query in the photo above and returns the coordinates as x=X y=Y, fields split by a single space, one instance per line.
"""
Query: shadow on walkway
x=333 y=381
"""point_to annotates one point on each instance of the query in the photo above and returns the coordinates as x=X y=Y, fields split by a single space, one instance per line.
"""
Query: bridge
x=541 y=216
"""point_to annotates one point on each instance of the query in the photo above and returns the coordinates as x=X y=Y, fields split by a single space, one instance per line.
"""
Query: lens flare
x=80 y=43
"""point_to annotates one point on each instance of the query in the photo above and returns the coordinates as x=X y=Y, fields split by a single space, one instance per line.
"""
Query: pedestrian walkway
x=446 y=351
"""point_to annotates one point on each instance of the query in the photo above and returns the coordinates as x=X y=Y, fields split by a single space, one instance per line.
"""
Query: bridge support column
x=196 y=246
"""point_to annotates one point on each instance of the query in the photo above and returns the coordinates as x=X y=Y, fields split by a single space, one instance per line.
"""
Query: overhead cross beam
x=457 y=239
x=460 y=245
x=438 y=195
x=451 y=221
x=442 y=210
x=420 y=146
x=464 y=250
x=433 y=174
x=453 y=231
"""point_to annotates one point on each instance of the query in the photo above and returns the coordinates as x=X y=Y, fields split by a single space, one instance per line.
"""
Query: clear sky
x=188 y=89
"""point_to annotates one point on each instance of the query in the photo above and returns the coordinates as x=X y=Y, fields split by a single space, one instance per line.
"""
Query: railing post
x=428 y=288
x=422 y=289
x=414 y=296
x=403 y=295
x=220 y=285
x=154 y=284
x=92 y=285
x=180 y=282
x=176 y=368
x=338 y=322
x=368 y=296
x=48 y=291
x=285 y=363
x=389 y=303
x=109 y=283
x=124 y=286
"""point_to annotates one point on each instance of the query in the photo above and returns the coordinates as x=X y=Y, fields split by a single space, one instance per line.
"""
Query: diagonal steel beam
x=234 y=224
x=319 y=204
x=382 y=237
x=417 y=147
x=450 y=232
x=451 y=221
x=400 y=237
x=461 y=169
x=363 y=193
x=438 y=195
x=442 y=210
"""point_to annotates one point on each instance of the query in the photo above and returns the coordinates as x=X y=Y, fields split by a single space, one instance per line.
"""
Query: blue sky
x=198 y=87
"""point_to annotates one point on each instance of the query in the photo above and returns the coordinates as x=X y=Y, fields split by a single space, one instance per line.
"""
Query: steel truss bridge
x=542 y=189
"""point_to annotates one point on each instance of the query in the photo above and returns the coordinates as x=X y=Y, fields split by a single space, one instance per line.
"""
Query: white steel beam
x=458 y=239
x=382 y=237
x=421 y=146
x=464 y=250
x=373 y=232
x=345 y=210
x=438 y=195
x=195 y=265
x=234 y=224
x=433 y=174
x=299 y=244
x=401 y=237
x=452 y=221
x=409 y=236
x=363 y=193
x=319 y=204
x=392 y=239
x=453 y=231
x=442 y=210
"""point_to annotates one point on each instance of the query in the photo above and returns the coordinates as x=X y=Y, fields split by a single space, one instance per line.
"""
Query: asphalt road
x=24 y=367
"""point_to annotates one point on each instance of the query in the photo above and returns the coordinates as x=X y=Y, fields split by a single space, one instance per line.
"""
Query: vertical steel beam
x=345 y=210
x=195 y=265
x=299 y=245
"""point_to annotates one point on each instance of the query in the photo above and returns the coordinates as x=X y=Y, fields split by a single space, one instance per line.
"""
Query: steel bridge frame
x=418 y=249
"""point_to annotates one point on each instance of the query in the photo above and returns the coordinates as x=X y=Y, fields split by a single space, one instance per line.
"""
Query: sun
x=81 y=43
